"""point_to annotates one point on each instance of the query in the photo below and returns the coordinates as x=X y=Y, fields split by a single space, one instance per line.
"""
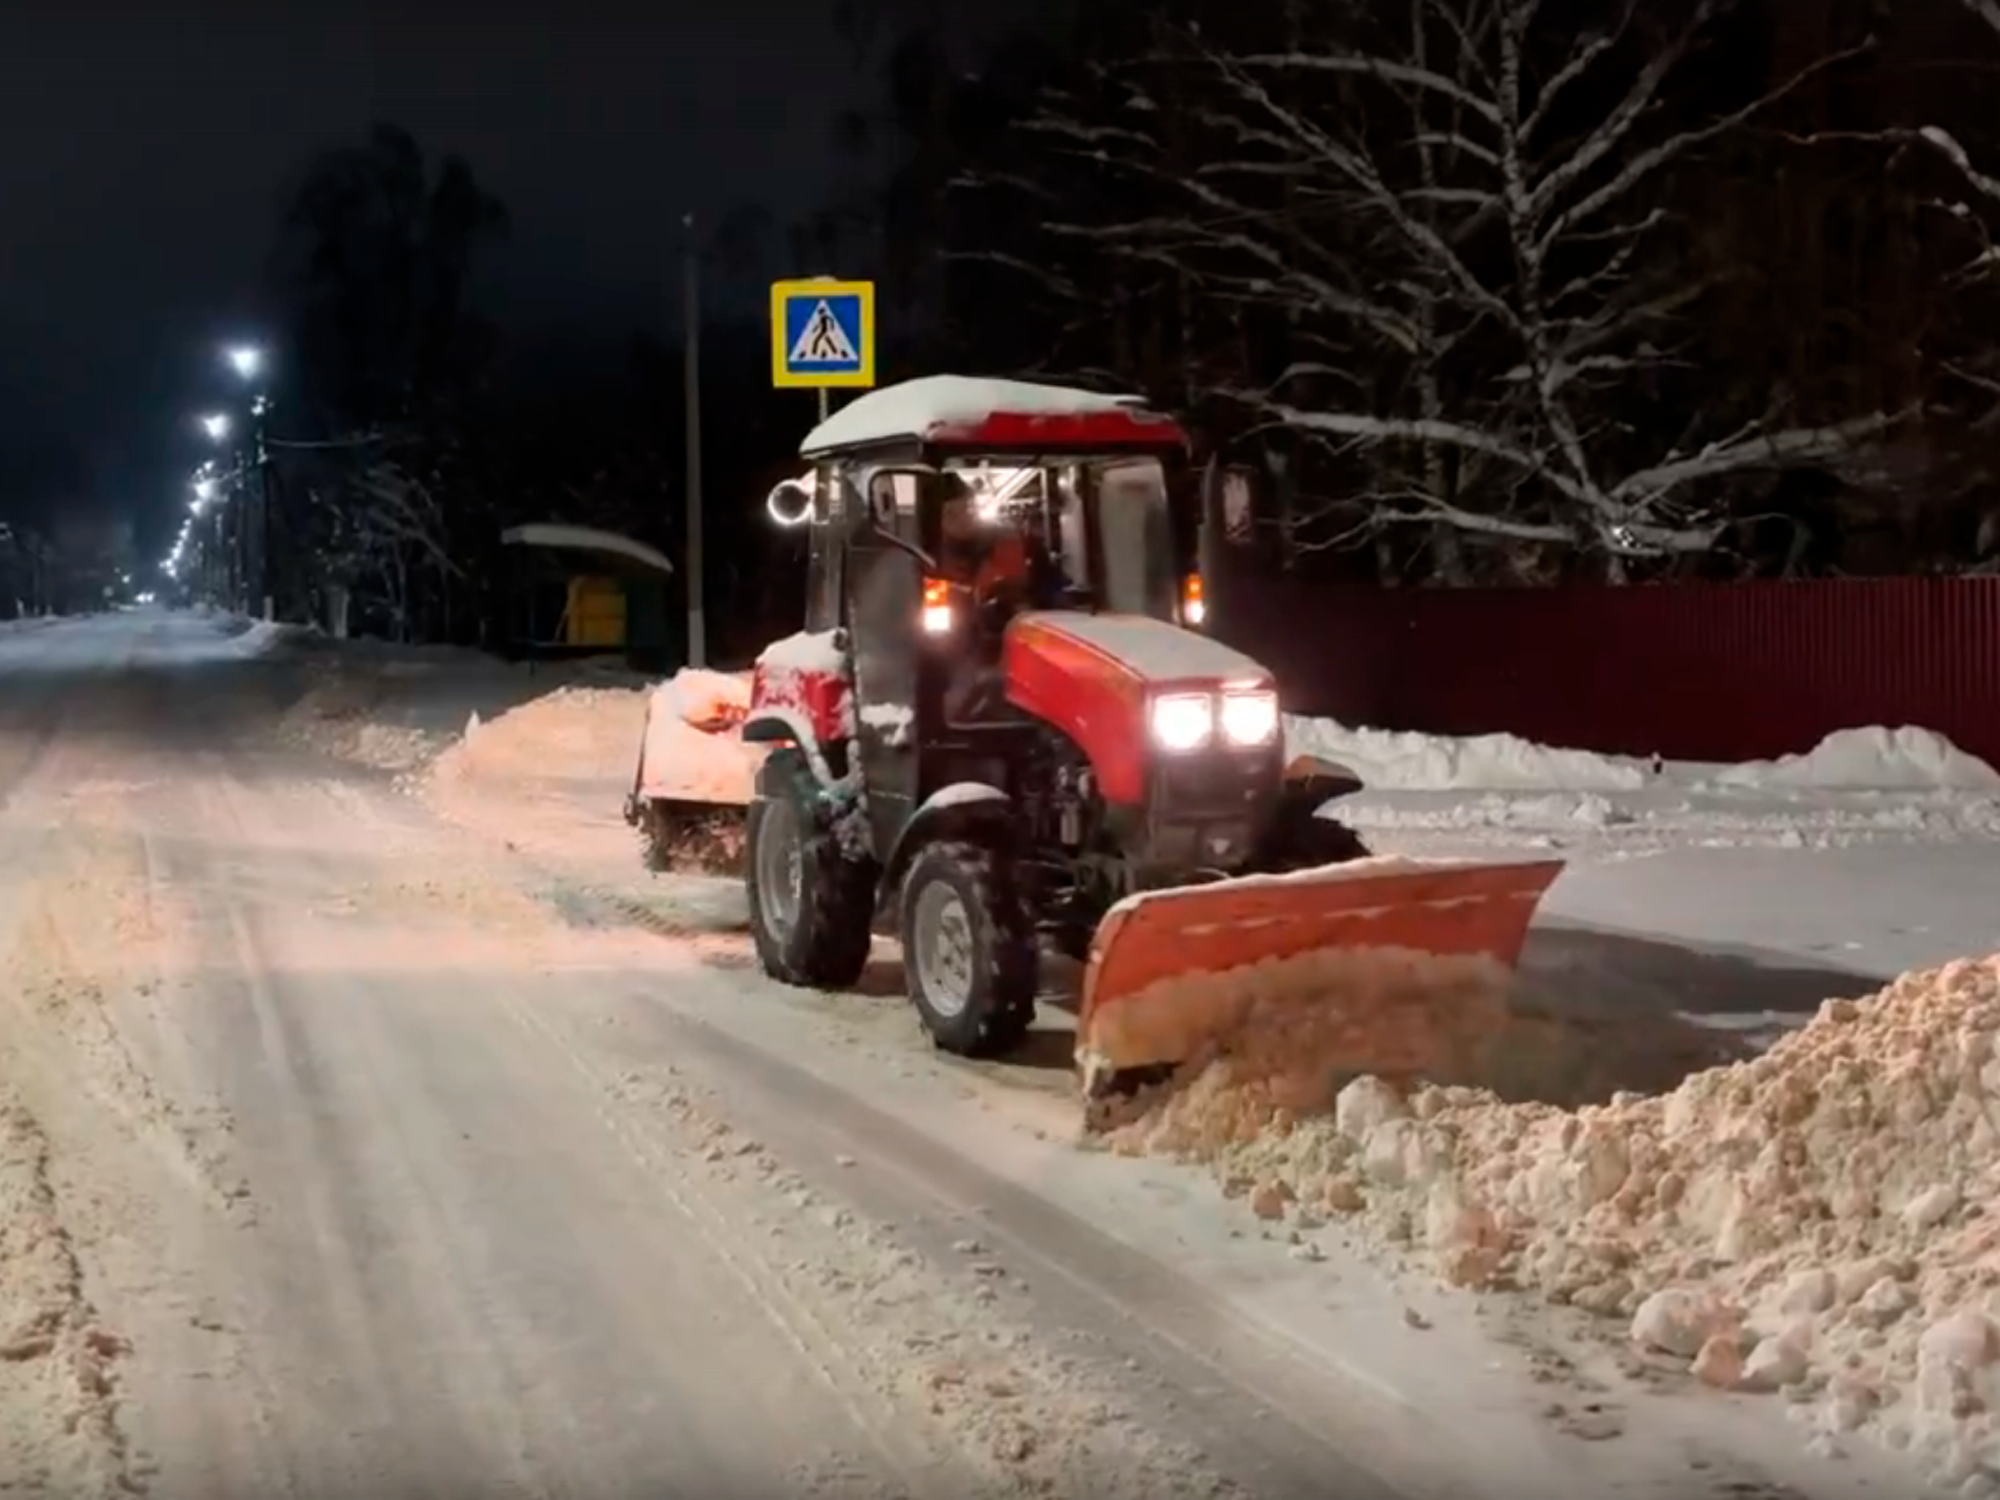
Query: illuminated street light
x=246 y=359
x=204 y=488
x=216 y=425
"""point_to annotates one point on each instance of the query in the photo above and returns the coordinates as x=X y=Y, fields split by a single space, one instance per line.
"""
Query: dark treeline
x=1498 y=291
x=1501 y=290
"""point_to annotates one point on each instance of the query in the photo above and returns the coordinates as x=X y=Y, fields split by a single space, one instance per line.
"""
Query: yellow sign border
x=785 y=292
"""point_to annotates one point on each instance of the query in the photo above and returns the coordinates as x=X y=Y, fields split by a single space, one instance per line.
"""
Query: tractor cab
x=949 y=473
x=945 y=516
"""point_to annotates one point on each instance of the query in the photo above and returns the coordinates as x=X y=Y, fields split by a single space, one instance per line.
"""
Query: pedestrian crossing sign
x=823 y=334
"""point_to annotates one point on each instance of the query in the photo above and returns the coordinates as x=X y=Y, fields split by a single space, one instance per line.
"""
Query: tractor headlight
x=1183 y=721
x=1250 y=718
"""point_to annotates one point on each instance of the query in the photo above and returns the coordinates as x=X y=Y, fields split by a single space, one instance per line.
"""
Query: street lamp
x=216 y=425
x=204 y=490
x=245 y=359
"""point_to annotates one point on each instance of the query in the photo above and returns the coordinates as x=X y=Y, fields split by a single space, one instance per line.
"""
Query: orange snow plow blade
x=1158 y=989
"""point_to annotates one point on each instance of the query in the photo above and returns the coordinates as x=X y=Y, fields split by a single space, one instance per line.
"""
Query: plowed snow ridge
x=1823 y=1219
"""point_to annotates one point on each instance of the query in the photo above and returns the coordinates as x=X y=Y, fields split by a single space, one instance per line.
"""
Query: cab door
x=885 y=607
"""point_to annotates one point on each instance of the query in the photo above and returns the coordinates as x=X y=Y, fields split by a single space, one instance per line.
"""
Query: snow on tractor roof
x=968 y=412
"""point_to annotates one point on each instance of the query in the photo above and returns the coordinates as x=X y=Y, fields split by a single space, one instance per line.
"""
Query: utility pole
x=261 y=457
x=697 y=642
x=239 y=552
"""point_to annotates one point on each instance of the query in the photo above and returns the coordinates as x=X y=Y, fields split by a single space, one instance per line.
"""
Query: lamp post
x=217 y=426
x=254 y=522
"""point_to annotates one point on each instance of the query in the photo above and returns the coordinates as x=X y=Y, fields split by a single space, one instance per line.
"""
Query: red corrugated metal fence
x=1692 y=671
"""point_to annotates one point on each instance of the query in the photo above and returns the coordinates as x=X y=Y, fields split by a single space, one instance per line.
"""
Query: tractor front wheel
x=969 y=954
x=810 y=905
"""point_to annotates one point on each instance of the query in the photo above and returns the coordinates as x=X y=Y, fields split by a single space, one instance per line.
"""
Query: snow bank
x=571 y=734
x=262 y=636
x=1867 y=759
x=549 y=776
x=1824 y=1219
x=1874 y=758
x=342 y=715
x=1393 y=760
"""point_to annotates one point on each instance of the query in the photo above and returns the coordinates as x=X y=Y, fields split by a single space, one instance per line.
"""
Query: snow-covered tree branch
x=1446 y=253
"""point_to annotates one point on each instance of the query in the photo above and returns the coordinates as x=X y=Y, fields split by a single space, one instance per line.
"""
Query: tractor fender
x=961 y=807
x=786 y=726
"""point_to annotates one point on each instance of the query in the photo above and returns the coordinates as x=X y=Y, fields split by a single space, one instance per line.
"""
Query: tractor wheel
x=810 y=905
x=969 y=953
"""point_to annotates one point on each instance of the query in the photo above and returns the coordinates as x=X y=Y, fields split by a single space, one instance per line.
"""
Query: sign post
x=822 y=336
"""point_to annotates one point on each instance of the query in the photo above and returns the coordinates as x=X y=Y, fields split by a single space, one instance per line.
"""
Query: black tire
x=997 y=996
x=825 y=943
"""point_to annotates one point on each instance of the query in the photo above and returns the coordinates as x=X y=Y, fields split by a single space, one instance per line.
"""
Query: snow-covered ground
x=316 y=1075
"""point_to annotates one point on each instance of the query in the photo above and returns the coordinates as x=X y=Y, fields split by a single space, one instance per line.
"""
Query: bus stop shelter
x=581 y=591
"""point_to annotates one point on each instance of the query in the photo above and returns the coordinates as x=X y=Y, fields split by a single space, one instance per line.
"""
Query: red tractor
x=1000 y=728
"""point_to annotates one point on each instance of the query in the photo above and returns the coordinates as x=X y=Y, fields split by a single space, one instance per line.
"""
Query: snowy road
x=333 y=1165
x=341 y=1151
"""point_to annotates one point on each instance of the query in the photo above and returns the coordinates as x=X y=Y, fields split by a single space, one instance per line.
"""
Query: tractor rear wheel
x=969 y=953
x=810 y=905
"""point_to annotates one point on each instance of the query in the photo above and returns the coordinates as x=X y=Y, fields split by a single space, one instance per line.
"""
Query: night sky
x=144 y=161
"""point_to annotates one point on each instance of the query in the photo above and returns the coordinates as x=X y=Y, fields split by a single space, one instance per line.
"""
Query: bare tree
x=380 y=530
x=1468 y=222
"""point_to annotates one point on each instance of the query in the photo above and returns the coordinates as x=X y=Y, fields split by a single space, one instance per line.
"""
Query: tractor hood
x=1093 y=677
x=1147 y=651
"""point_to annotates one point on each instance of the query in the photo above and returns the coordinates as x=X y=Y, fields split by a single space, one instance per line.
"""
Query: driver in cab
x=990 y=562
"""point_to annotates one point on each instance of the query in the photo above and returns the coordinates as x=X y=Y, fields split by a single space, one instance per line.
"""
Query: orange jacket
x=1005 y=563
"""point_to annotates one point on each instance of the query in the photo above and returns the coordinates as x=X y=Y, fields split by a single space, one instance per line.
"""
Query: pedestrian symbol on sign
x=823 y=334
x=823 y=341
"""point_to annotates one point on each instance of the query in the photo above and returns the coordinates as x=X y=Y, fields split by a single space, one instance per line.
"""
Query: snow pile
x=1873 y=758
x=341 y=715
x=1394 y=760
x=1870 y=759
x=1823 y=1219
x=548 y=776
x=571 y=734
x=261 y=637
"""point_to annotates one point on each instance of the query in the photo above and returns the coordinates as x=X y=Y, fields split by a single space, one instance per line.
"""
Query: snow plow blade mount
x=691 y=790
x=1153 y=992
